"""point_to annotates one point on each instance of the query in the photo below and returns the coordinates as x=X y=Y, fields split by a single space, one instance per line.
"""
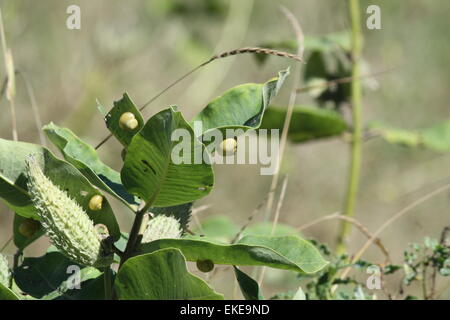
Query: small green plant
x=66 y=200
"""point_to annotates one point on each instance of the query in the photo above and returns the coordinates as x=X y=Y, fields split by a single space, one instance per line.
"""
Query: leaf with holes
x=149 y=170
x=112 y=120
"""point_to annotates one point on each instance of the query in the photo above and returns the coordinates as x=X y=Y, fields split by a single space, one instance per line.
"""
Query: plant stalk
x=107 y=278
x=133 y=240
x=356 y=98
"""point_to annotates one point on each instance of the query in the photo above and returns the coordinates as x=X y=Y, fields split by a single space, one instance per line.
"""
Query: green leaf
x=249 y=287
x=7 y=294
x=408 y=138
x=20 y=240
x=161 y=275
x=112 y=119
x=240 y=107
x=149 y=171
x=436 y=138
x=13 y=181
x=47 y=275
x=91 y=287
x=307 y=123
x=85 y=158
x=289 y=253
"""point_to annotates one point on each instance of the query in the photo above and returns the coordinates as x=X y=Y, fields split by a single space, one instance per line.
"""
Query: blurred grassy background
x=141 y=46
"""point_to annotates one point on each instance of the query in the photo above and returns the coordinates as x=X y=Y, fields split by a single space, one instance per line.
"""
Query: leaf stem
x=107 y=278
x=134 y=239
x=356 y=97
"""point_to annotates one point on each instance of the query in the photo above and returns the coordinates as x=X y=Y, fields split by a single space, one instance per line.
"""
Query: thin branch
x=287 y=121
x=357 y=224
x=34 y=107
x=213 y=58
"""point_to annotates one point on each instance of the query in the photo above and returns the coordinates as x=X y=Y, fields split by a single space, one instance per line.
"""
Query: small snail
x=29 y=227
x=228 y=146
x=96 y=202
x=128 y=121
x=205 y=265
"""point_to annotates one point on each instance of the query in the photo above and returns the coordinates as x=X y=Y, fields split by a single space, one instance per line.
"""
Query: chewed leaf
x=113 y=120
x=149 y=169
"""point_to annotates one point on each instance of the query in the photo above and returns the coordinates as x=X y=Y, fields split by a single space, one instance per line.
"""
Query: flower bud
x=65 y=222
x=162 y=227
x=4 y=271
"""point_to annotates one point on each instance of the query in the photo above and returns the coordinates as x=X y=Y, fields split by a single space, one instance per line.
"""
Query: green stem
x=356 y=97
x=107 y=278
x=133 y=240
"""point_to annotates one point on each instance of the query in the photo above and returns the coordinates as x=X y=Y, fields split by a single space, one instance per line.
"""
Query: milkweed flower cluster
x=65 y=222
x=162 y=227
x=4 y=271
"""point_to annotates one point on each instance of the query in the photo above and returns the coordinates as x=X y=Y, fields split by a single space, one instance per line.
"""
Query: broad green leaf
x=307 y=123
x=112 y=119
x=85 y=158
x=22 y=241
x=43 y=276
x=7 y=294
x=161 y=275
x=436 y=138
x=240 y=107
x=249 y=287
x=91 y=287
x=150 y=172
x=13 y=189
x=289 y=253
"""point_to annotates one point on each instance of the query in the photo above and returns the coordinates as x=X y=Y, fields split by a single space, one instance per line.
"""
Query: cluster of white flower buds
x=64 y=220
